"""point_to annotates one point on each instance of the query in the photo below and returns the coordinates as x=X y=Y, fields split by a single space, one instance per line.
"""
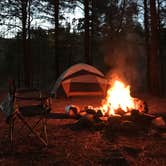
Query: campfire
x=120 y=101
x=119 y=110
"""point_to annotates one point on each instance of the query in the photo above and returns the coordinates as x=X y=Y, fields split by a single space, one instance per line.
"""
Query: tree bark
x=92 y=31
x=56 y=38
x=26 y=60
x=147 y=47
x=87 y=33
x=29 y=43
x=154 y=51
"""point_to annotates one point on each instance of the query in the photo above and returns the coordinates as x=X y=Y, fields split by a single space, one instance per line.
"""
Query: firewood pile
x=119 y=111
x=136 y=120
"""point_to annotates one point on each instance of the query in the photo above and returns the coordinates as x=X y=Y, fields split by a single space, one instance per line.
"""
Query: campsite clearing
x=70 y=146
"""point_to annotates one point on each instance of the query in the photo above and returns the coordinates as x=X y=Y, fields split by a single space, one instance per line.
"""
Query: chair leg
x=11 y=129
x=30 y=128
x=34 y=125
x=45 y=129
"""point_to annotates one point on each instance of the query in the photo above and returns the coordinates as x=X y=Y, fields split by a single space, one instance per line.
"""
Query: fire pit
x=119 y=110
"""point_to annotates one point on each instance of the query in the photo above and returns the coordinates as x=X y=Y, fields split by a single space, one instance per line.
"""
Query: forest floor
x=84 y=147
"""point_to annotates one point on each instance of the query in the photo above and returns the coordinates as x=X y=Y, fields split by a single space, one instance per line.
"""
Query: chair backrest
x=29 y=102
x=12 y=89
x=28 y=97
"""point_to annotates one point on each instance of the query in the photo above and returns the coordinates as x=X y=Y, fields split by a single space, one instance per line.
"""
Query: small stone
x=152 y=132
x=159 y=122
x=163 y=135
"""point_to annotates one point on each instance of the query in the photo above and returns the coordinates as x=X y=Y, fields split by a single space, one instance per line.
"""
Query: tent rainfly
x=80 y=80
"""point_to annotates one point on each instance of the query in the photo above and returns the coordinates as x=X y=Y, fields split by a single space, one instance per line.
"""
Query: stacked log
x=134 y=121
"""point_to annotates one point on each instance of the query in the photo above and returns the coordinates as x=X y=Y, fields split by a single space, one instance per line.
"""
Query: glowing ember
x=118 y=97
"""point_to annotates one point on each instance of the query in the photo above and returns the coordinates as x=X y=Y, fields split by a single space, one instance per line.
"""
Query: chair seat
x=32 y=110
x=24 y=103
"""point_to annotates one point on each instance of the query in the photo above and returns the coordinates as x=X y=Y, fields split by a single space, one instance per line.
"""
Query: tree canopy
x=110 y=34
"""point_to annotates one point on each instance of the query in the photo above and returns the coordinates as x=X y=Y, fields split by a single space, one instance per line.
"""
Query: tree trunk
x=56 y=38
x=26 y=61
x=29 y=43
x=87 y=33
x=158 y=15
x=147 y=47
x=154 y=54
x=161 y=59
x=123 y=8
x=92 y=31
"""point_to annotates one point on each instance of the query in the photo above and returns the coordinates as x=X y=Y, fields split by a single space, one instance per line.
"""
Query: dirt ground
x=83 y=147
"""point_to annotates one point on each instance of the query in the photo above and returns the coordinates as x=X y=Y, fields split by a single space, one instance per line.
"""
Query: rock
x=128 y=126
x=163 y=135
x=135 y=113
x=89 y=117
x=89 y=107
x=86 y=121
x=91 y=111
x=114 y=122
x=144 y=120
x=72 y=110
x=114 y=118
x=126 y=116
x=99 y=113
x=153 y=132
x=159 y=122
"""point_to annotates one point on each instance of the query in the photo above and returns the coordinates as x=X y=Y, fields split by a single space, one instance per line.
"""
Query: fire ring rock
x=159 y=122
x=72 y=110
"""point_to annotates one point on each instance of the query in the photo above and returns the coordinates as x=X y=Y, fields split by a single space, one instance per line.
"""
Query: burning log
x=119 y=111
x=140 y=105
x=104 y=118
x=90 y=110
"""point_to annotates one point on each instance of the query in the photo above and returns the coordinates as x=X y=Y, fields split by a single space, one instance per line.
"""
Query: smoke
x=127 y=62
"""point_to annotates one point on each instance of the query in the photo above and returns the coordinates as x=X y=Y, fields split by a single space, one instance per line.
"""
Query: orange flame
x=118 y=97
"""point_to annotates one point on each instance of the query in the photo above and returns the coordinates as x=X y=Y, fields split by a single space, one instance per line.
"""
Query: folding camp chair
x=30 y=103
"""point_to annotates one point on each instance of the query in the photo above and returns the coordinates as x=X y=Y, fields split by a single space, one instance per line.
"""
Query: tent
x=80 y=80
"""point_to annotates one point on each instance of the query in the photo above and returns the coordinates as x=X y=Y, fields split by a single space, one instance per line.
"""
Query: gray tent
x=80 y=80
